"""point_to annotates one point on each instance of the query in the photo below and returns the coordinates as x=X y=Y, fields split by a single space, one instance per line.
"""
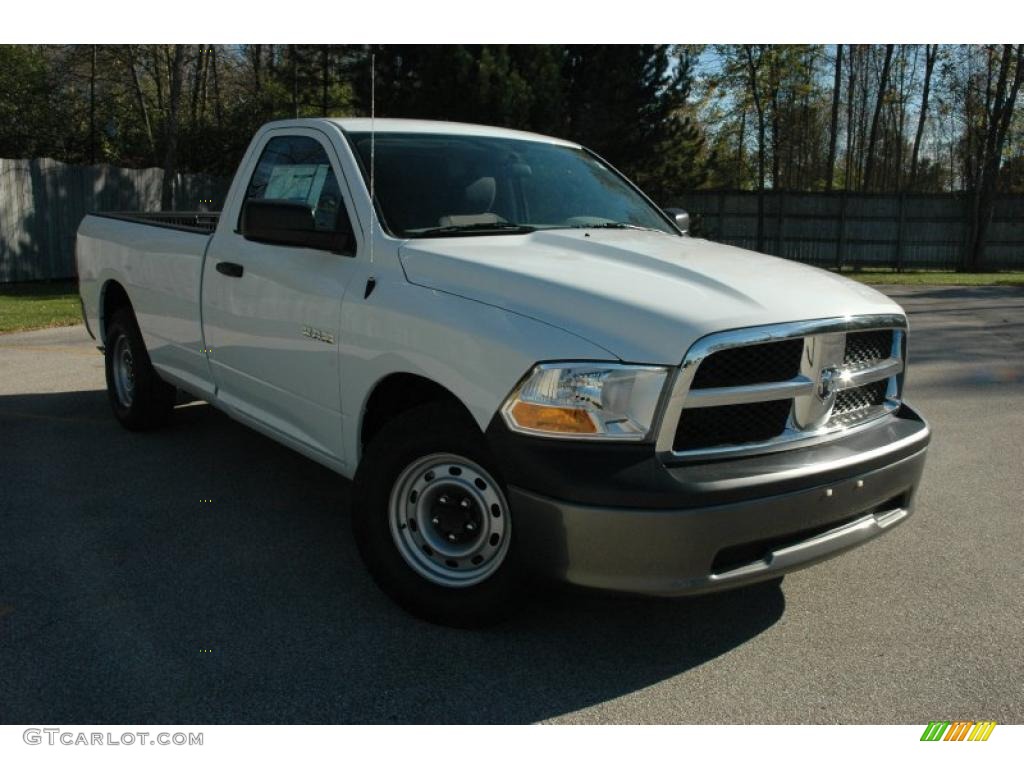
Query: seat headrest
x=480 y=194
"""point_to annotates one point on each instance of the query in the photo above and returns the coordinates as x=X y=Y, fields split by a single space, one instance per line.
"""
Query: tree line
x=854 y=118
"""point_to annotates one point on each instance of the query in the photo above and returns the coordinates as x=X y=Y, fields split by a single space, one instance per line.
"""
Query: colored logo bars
x=958 y=730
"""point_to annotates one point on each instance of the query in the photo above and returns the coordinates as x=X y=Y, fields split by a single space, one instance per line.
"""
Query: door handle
x=229 y=268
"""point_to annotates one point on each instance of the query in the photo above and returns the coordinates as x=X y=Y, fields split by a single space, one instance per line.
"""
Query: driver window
x=296 y=169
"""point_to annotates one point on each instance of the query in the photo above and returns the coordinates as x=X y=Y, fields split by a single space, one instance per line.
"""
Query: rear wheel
x=139 y=398
x=432 y=521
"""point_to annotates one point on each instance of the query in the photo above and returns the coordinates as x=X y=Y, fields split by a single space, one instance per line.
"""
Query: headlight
x=586 y=400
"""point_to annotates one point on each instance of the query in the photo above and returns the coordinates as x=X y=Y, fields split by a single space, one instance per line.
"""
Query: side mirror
x=286 y=222
x=680 y=218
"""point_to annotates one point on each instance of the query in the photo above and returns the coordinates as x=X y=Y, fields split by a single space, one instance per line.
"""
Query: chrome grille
x=758 y=389
x=853 y=405
x=867 y=347
x=731 y=424
x=859 y=398
x=752 y=364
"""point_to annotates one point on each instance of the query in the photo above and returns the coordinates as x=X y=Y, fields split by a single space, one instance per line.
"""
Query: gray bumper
x=700 y=549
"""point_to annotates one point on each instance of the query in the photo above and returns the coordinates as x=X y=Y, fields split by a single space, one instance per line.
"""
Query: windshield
x=432 y=185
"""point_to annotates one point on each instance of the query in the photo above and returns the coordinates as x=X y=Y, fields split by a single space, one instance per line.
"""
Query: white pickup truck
x=526 y=367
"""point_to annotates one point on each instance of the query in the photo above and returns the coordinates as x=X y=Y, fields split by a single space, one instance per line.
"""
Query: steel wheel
x=124 y=371
x=140 y=399
x=449 y=520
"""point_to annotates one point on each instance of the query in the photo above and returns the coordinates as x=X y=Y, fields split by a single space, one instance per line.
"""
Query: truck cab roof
x=402 y=125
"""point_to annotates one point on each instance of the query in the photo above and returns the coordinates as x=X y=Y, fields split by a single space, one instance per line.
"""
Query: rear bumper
x=730 y=528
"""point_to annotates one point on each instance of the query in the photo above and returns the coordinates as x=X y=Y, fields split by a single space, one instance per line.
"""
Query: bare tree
x=92 y=107
x=898 y=108
x=931 y=53
x=324 y=78
x=836 y=87
x=176 y=68
x=999 y=105
x=754 y=82
x=255 y=53
x=156 y=73
x=851 y=135
x=293 y=62
x=883 y=87
x=773 y=100
x=218 y=105
x=197 y=82
x=140 y=100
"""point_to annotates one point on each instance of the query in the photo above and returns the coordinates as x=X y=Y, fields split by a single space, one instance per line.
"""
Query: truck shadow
x=204 y=574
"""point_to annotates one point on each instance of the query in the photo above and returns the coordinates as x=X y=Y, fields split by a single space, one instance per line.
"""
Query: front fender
x=476 y=351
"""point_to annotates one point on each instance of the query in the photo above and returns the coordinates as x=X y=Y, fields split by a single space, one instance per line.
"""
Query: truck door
x=272 y=310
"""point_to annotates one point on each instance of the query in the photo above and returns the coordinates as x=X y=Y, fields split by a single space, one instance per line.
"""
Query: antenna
x=373 y=147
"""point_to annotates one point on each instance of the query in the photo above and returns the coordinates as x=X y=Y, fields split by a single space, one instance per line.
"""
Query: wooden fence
x=834 y=229
x=42 y=202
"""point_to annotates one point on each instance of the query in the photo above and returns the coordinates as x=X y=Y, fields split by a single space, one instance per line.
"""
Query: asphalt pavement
x=126 y=598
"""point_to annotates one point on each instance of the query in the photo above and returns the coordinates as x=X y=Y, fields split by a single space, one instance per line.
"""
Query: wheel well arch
x=398 y=393
x=113 y=297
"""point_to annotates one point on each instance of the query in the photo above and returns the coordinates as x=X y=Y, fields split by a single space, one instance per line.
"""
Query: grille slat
x=751 y=364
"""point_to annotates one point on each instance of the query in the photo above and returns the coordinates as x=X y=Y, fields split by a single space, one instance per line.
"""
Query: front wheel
x=432 y=521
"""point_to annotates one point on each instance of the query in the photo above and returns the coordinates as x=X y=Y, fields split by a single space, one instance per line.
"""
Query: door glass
x=296 y=169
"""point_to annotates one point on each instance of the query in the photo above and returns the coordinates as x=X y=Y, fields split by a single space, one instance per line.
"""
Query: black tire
x=415 y=436
x=150 y=401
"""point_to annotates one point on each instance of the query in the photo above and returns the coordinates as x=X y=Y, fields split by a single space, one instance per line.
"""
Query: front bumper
x=715 y=525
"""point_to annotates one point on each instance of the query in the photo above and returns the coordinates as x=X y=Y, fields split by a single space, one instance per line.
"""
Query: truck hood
x=643 y=296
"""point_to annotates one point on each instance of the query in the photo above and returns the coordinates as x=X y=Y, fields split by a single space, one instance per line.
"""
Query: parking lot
x=124 y=598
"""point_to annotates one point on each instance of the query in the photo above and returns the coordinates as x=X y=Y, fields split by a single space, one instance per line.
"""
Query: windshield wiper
x=480 y=228
x=611 y=225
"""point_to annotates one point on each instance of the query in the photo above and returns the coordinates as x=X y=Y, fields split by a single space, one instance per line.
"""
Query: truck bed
x=202 y=222
x=157 y=258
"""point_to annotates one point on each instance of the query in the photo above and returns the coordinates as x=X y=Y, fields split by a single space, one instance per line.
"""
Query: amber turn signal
x=549 y=418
